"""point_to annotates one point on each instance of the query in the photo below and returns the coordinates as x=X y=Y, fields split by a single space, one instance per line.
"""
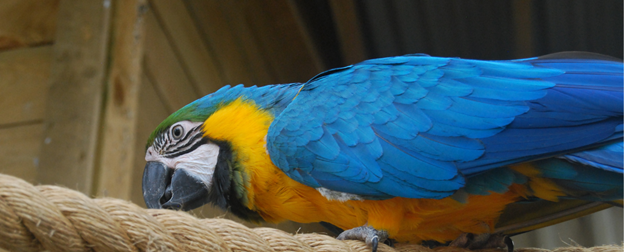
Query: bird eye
x=177 y=132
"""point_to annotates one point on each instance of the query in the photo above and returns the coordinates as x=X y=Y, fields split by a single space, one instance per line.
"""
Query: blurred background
x=83 y=83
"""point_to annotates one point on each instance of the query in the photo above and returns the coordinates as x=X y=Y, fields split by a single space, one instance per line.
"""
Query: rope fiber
x=53 y=218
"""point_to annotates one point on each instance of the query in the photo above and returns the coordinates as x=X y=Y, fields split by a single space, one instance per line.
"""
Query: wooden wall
x=67 y=88
x=27 y=31
x=84 y=84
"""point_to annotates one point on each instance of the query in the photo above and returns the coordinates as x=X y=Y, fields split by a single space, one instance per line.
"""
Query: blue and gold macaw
x=412 y=148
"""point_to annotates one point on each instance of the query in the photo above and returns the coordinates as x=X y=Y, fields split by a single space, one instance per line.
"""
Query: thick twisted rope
x=35 y=218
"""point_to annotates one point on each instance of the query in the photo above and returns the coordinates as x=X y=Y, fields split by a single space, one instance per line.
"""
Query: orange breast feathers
x=405 y=219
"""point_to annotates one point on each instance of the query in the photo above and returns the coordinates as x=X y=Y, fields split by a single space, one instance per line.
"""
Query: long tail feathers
x=522 y=217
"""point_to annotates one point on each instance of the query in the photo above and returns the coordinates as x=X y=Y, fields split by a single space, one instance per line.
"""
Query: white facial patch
x=180 y=138
x=200 y=163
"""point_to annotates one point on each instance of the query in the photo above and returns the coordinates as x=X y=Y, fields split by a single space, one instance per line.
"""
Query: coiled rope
x=35 y=218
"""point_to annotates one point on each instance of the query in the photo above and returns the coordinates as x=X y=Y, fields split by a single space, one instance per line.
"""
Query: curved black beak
x=164 y=187
x=156 y=177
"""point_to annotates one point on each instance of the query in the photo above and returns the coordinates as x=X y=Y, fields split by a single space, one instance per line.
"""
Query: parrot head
x=180 y=166
x=200 y=153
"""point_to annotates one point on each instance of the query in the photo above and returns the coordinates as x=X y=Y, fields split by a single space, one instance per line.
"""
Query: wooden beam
x=306 y=36
x=116 y=157
x=349 y=31
x=196 y=58
x=27 y=23
x=262 y=71
x=280 y=37
x=153 y=111
x=217 y=34
x=163 y=67
x=24 y=84
x=524 y=46
x=19 y=150
x=74 y=102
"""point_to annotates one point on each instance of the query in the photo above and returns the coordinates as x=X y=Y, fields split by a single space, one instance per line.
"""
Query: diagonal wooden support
x=91 y=106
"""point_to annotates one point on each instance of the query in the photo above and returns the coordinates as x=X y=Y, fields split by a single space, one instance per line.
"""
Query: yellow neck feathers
x=244 y=125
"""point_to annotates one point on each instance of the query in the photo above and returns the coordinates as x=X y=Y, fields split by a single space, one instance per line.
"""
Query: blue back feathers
x=421 y=127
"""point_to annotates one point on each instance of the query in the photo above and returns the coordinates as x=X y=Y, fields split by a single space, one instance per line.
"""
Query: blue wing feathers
x=450 y=87
x=470 y=107
x=467 y=121
x=608 y=157
x=434 y=102
x=441 y=129
x=399 y=86
x=419 y=120
x=366 y=164
x=505 y=95
x=365 y=134
x=553 y=168
x=496 y=180
x=416 y=164
x=424 y=127
x=581 y=66
x=408 y=78
x=325 y=147
x=492 y=68
x=411 y=94
x=508 y=84
x=341 y=125
x=582 y=181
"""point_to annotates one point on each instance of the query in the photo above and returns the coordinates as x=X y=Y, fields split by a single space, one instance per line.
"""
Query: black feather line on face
x=172 y=148
x=196 y=141
x=222 y=192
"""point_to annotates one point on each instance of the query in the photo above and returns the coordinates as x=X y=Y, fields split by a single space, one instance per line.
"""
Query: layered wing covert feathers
x=417 y=126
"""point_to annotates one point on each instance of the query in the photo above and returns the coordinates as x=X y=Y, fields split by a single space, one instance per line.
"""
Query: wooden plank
x=121 y=110
x=153 y=111
x=382 y=33
x=281 y=39
x=306 y=35
x=217 y=33
x=19 y=150
x=523 y=38
x=198 y=61
x=349 y=31
x=164 y=68
x=262 y=71
x=74 y=101
x=24 y=84
x=27 y=22
x=412 y=25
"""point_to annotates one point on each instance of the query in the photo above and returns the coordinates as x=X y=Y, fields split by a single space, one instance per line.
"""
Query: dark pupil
x=177 y=132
